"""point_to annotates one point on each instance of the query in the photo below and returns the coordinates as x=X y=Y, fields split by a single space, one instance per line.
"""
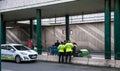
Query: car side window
x=9 y=47
x=4 y=47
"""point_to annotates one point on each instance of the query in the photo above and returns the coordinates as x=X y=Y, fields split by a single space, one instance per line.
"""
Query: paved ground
x=44 y=66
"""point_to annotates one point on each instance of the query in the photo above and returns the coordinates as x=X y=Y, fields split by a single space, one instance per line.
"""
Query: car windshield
x=21 y=48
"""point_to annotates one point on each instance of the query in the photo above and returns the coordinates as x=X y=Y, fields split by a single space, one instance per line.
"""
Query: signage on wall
x=71 y=32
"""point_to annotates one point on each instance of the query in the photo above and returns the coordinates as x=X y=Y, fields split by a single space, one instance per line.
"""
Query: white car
x=17 y=52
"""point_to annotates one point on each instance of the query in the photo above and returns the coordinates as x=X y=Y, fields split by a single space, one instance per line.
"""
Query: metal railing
x=98 y=17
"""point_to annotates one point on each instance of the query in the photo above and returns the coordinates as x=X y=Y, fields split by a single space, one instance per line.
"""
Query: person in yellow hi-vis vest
x=68 y=48
x=61 y=52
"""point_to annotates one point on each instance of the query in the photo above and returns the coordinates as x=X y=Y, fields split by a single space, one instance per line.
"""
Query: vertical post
x=117 y=29
x=67 y=27
x=31 y=29
x=55 y=20
x=4 y=32
x=39 y=39
x=1 y=22
x=82 y=16
x=107 y=29
x=31 y=33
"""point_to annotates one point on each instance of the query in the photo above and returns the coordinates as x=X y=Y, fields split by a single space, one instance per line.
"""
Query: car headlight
x=23 y=53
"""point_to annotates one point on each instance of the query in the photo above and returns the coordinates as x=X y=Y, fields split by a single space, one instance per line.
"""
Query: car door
x=3 y=52
x=10 y=53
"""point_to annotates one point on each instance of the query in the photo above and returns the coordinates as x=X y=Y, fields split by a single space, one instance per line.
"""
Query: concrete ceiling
x=57 y=10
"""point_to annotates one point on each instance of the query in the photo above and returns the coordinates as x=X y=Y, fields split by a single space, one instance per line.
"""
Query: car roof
x=11 y=44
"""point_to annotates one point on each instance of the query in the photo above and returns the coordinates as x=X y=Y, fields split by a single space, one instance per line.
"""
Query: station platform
x=94 y=60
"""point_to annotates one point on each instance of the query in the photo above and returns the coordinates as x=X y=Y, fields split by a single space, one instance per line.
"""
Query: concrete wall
x=89 y=35
x=86 y=35
x=17 y=35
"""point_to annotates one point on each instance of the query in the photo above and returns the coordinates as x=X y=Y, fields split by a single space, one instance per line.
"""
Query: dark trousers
x=68 y=57
x=61 y=57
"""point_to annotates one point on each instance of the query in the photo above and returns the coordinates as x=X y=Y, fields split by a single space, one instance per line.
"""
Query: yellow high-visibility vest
x=61 y=48
x=68 y=47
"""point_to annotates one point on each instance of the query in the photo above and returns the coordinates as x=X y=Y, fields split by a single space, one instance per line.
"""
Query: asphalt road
x=45 y=66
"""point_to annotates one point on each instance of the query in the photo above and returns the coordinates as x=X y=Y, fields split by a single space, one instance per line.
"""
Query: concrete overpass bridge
x=15 y=10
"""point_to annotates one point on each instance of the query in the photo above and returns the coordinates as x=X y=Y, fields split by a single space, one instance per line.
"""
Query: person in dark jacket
x=74 y=48
x=57 y=43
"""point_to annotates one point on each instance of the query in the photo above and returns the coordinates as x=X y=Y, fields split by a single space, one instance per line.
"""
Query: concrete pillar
x=107 y=29
x=31 y=33
x=67 y=27
x=31 y=29
x=1 y=22
x=39 y=38
x=4 y=32
x=117 y=29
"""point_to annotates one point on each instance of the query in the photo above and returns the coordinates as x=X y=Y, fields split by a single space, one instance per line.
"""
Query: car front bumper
x=31 y=57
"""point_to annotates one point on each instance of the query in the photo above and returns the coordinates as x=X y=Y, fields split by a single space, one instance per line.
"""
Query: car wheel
x=17 y=59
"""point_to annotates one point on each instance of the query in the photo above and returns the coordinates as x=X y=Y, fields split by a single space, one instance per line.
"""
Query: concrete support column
x=67 y=27
x=31 y=33
x=1 y=22
x=31 y=29
x=107 y=29
x=117 y=29
x=4 y=32
x=39 y=38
